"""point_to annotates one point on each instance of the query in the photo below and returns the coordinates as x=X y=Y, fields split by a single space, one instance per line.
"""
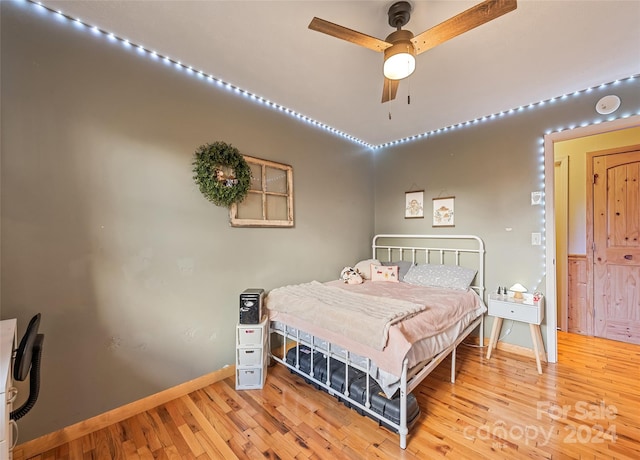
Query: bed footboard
x=349 y=377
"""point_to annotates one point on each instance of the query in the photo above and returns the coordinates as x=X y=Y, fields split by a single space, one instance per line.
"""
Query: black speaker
x=251 y=306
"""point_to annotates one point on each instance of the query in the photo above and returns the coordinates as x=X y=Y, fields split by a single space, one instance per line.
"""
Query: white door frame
x=561 y=195
x=551 y=313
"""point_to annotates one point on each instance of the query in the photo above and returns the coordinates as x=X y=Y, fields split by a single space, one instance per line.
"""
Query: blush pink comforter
x=445 y=309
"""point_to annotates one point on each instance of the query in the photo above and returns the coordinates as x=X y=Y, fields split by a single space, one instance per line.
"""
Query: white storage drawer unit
x=253 y=376
x=250 y=334
x=251 y=355
x=249 y=378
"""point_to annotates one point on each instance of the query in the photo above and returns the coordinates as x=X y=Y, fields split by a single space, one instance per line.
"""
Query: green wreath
x=222 y=174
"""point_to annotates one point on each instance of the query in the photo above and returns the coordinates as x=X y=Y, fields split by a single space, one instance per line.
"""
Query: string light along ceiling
x=145 y=52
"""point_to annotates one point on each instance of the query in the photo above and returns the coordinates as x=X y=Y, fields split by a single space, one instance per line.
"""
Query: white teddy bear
x=351 y=275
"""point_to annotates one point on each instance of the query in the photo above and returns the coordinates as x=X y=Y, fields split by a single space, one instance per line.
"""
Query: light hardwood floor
x=587 y=406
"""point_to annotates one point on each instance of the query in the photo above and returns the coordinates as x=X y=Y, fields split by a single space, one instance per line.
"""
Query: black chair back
x=24 y=354
x=27 y=363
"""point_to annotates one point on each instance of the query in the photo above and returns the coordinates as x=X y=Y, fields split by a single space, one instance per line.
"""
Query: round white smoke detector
x=608 y=104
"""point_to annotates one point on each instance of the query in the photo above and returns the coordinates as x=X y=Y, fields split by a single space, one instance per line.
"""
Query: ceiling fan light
x=399 y=61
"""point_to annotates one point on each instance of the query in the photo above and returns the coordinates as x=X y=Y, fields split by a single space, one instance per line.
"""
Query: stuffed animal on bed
x=351 y=275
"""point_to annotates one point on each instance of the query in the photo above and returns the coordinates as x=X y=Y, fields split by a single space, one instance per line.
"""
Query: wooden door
x=616 y=251
x=580 y=316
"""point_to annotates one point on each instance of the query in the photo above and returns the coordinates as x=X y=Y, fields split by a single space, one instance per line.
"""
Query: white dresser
x=7 y=346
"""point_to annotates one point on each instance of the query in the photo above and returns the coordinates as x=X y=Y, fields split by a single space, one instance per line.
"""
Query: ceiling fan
x=401 y=47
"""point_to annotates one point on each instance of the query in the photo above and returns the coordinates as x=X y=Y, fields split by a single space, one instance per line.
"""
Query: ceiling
x=541 y=50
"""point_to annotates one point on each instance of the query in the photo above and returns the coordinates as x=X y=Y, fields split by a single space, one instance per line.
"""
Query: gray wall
x=491 y=168
x=136 y=275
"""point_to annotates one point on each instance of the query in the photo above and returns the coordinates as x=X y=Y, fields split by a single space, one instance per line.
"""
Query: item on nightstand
x=518 y=289
x=251 y=306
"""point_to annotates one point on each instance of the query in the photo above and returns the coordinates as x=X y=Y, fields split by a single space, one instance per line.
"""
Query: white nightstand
x=526 y=310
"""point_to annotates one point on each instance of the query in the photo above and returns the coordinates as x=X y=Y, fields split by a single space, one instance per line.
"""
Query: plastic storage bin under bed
x=380 y=404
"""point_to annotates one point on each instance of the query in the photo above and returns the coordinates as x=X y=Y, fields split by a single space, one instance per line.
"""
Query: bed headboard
x=464 y=250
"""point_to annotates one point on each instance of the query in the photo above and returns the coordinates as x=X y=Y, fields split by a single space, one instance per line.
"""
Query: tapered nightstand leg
x=535 y=331
x=495 y=332
x=543 y=353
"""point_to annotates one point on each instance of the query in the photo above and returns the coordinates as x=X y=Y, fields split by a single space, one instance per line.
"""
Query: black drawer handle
x=628 y=257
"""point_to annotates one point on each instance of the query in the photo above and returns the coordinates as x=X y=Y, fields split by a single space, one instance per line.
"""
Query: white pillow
x=364 y=267
x=444 y=276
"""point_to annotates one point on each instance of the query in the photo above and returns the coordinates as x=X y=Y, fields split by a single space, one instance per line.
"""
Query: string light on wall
x=266 y=102
x=543 y=250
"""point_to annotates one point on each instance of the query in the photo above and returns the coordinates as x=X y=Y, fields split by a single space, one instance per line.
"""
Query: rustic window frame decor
x=260 y=188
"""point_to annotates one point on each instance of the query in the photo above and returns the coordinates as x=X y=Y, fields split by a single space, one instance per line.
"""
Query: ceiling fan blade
x=389 y=90
x=463 y=22
x=353 y=36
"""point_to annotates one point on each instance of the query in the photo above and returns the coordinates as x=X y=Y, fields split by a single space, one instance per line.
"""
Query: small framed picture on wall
x=443 y=212
x=414 y=205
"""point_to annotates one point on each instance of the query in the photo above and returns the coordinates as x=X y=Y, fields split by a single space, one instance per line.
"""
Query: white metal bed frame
x=408 y=382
